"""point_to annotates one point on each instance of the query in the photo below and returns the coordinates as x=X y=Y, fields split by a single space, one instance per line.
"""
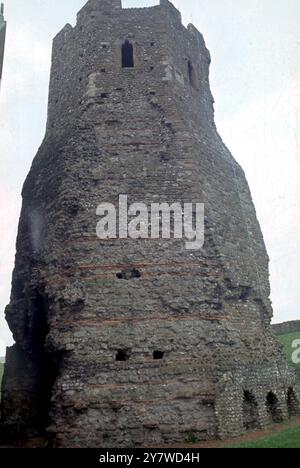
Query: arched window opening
x=292 y=403
x=250 y=412
x=273 y=408
x=127 y=55
x=192 y=75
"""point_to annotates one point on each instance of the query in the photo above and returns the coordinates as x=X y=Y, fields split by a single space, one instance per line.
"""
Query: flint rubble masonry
x=146 y=130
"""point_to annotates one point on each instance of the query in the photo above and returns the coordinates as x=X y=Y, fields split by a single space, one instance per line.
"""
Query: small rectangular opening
x=158 y=355
x=123 y=355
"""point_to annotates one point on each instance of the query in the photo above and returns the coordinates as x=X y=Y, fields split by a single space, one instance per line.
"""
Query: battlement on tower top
x=110 y=7
x=98 y=9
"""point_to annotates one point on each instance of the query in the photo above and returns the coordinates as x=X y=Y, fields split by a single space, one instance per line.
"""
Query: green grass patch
x=287 y=341
x=289 y=438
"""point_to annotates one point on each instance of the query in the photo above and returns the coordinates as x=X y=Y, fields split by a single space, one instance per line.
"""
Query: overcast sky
x=255 y=48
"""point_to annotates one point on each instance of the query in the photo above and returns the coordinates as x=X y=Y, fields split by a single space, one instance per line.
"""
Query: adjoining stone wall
x=286 y=327
x=184 y=344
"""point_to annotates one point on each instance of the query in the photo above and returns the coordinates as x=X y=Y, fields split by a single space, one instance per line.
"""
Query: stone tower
x=132 y=342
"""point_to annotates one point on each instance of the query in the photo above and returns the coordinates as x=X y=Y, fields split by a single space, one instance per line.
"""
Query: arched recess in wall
x=273 y=408
x=192 y=75
x=292 y=403
x=127 y=55
x=250 y=411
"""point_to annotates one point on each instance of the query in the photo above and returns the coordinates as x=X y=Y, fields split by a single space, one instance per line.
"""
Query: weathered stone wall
x=286 y=327
x=147 y=132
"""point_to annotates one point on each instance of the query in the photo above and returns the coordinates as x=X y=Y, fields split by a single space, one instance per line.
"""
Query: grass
x=287 y=341
x=289 y=438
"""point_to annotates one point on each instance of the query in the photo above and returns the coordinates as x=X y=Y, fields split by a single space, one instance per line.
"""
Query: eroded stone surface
x=105 y=358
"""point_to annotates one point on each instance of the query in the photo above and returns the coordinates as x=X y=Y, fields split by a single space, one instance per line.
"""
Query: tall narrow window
x=192 y=75
x=127 y=55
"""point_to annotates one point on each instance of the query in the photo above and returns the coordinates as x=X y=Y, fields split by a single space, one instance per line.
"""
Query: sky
x=255 y=72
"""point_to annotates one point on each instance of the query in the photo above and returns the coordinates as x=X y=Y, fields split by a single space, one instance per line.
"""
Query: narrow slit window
x=127 y=55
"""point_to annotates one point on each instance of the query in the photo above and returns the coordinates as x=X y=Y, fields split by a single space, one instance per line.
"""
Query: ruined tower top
x=109 y=6
x=102 y=6
x=90 y=60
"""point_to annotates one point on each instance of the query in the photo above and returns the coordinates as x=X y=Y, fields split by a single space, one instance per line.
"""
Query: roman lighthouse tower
x=124 y=342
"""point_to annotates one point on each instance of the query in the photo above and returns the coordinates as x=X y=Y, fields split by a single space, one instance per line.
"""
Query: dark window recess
x=127 y=55
x=292 y=403
x=104 y=95
x=123 y=355
x=151 y=68
x=152 y=93
x=103 y=70
x=250 y=411
x=129 y=274
x=157 y=355
x=273 y=408
x=152 y=44
x=192 y=75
